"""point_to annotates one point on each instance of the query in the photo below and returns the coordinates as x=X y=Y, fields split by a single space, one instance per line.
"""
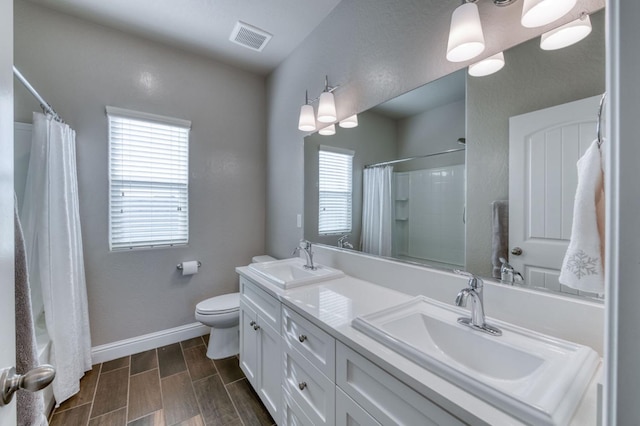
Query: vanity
x=309 y=365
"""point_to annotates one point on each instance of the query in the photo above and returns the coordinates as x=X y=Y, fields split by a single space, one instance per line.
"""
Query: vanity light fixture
x=536 y=13
x=307 y=120
x=487 y=66
x=567 y=34
x=327 y=105
x=350 y=122
x=328 y=131
x=466 y=40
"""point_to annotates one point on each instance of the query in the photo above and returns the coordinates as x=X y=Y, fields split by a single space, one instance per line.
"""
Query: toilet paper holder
x=179 y=267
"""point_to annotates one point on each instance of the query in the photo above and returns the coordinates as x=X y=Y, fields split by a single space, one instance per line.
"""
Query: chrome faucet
x=474 y=291
x=305 y=247
x=343 y=243
x=508 y=274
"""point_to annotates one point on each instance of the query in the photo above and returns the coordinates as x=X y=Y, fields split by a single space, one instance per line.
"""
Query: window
x=335 y=192
x=148 y=180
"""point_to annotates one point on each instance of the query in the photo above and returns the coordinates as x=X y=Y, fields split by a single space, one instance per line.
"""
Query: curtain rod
x=402 y=160
x=43 y=104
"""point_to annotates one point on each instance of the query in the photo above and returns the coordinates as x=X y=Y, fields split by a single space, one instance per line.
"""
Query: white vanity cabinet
x=261 y=344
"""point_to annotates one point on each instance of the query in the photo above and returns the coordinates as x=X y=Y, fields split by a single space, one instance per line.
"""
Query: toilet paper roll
x=190 y=267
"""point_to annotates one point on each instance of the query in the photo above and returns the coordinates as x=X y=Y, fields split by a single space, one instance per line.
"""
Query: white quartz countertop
x=331 y=305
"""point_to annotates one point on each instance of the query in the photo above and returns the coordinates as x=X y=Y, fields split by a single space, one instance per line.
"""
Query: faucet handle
x=475 y=282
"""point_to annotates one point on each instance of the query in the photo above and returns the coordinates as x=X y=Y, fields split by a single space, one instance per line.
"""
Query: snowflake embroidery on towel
x=582 y=265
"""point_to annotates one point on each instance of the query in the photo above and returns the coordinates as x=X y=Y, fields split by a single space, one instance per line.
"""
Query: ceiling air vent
x=249 y=36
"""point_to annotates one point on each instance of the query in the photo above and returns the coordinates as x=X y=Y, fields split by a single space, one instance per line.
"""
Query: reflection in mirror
x=532 y=80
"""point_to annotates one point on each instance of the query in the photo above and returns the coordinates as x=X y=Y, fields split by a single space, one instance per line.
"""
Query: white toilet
x=221 y=313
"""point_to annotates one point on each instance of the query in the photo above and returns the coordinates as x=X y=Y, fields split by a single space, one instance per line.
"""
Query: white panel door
x=544 y=147
x=7 y=301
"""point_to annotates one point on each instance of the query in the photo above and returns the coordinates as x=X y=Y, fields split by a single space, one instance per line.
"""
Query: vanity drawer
x=317 y=346
x=388 y=400
x=309 y=388
x=265 y=305
x=348 y=413
x=292 y=414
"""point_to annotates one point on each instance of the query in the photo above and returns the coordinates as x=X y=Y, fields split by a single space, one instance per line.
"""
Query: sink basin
x=534 y=377
x=289 y=273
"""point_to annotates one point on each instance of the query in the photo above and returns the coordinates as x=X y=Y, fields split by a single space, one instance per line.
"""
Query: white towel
x=583 y=265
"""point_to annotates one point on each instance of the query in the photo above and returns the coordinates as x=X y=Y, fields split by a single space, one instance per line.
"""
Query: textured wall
x=532 y=79
x=375 y=50
x=81 y=67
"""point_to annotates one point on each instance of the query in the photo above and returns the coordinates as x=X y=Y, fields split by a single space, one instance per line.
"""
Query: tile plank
x=111 y=393
x=194 y=421
x=153 y=419
x=248 y=404
x=87 y=389
x=229 y=369
x=196 y=341
x=74 y=416
x=215 y=404
x=115 y=418
x=178 y=398
x=170 y=360
x=198 y=364
x=144 y=361
x=115 y=364
x=144 y=394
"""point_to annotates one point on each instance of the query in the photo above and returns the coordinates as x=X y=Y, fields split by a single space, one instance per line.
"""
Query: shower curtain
x=51 y=220
x=377 y=210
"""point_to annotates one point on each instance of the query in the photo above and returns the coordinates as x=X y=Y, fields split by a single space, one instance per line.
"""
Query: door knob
x=516 y=251
x=33 y=381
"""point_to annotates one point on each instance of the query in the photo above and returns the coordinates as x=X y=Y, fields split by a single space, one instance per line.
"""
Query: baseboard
x=134 y=345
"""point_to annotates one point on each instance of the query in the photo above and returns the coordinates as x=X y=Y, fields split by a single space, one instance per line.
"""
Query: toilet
x=222 y=314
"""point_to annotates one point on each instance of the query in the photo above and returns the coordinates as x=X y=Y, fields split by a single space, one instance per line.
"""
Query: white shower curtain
x=377 y=211
x=51 y=219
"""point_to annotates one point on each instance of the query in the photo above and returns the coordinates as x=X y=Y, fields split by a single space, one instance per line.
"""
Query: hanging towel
x=583 y=265
x=500 y=234
x=30 y=404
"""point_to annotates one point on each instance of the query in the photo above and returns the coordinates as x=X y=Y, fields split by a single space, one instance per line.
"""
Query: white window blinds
x=334 y=190
x=148 y=180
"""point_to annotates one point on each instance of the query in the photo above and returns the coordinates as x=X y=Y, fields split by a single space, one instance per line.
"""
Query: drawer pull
x=302 y=338
x=302 y=385
x=252 y=323
x=256 y=327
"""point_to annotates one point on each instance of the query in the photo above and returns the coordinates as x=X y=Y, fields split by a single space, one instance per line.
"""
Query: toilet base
x=223 y=342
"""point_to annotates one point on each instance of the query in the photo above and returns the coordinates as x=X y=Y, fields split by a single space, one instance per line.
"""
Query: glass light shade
x=307 y=121
x=350 y=122
x=328 y=131
x=566 y=35
x=327 y=108
x=536 y=13
x=466 y=40
x=487 y=66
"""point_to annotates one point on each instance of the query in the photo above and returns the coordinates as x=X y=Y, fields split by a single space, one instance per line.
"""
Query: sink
x=536 y=378
x=289 y=273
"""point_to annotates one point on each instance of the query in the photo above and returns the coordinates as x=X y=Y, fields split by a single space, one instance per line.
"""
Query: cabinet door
x=248 y=344
x=270 y=368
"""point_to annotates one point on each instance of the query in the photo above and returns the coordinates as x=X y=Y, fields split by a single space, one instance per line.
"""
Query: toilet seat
x=227 y=303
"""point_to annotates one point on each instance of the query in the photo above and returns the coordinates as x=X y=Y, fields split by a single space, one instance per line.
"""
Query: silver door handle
x=36 y=379
x=516 y=251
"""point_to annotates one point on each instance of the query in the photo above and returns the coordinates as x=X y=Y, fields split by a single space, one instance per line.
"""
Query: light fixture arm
x=327 y=88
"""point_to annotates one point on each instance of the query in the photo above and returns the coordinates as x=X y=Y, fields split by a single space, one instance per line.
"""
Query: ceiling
x=204 y=26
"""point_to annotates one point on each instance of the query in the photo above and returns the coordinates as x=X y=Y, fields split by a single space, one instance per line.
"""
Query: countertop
x=331 y=305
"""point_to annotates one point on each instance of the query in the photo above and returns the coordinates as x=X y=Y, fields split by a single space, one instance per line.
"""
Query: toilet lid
x=220 y=304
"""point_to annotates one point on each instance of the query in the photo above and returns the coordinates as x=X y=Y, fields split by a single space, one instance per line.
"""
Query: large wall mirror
x=429 y=169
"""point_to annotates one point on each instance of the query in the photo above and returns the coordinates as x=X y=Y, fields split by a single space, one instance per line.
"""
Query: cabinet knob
x=252 y=323
x=256 y=327
x=302 y=385
x=302 y=338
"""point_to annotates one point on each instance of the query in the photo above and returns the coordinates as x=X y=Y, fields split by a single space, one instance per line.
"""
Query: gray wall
x=374 y=141
x=81 y=67
x=375 y=50
x=532 y=79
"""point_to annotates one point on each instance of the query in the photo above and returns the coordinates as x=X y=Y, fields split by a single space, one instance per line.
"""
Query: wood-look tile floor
x=172 y=385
